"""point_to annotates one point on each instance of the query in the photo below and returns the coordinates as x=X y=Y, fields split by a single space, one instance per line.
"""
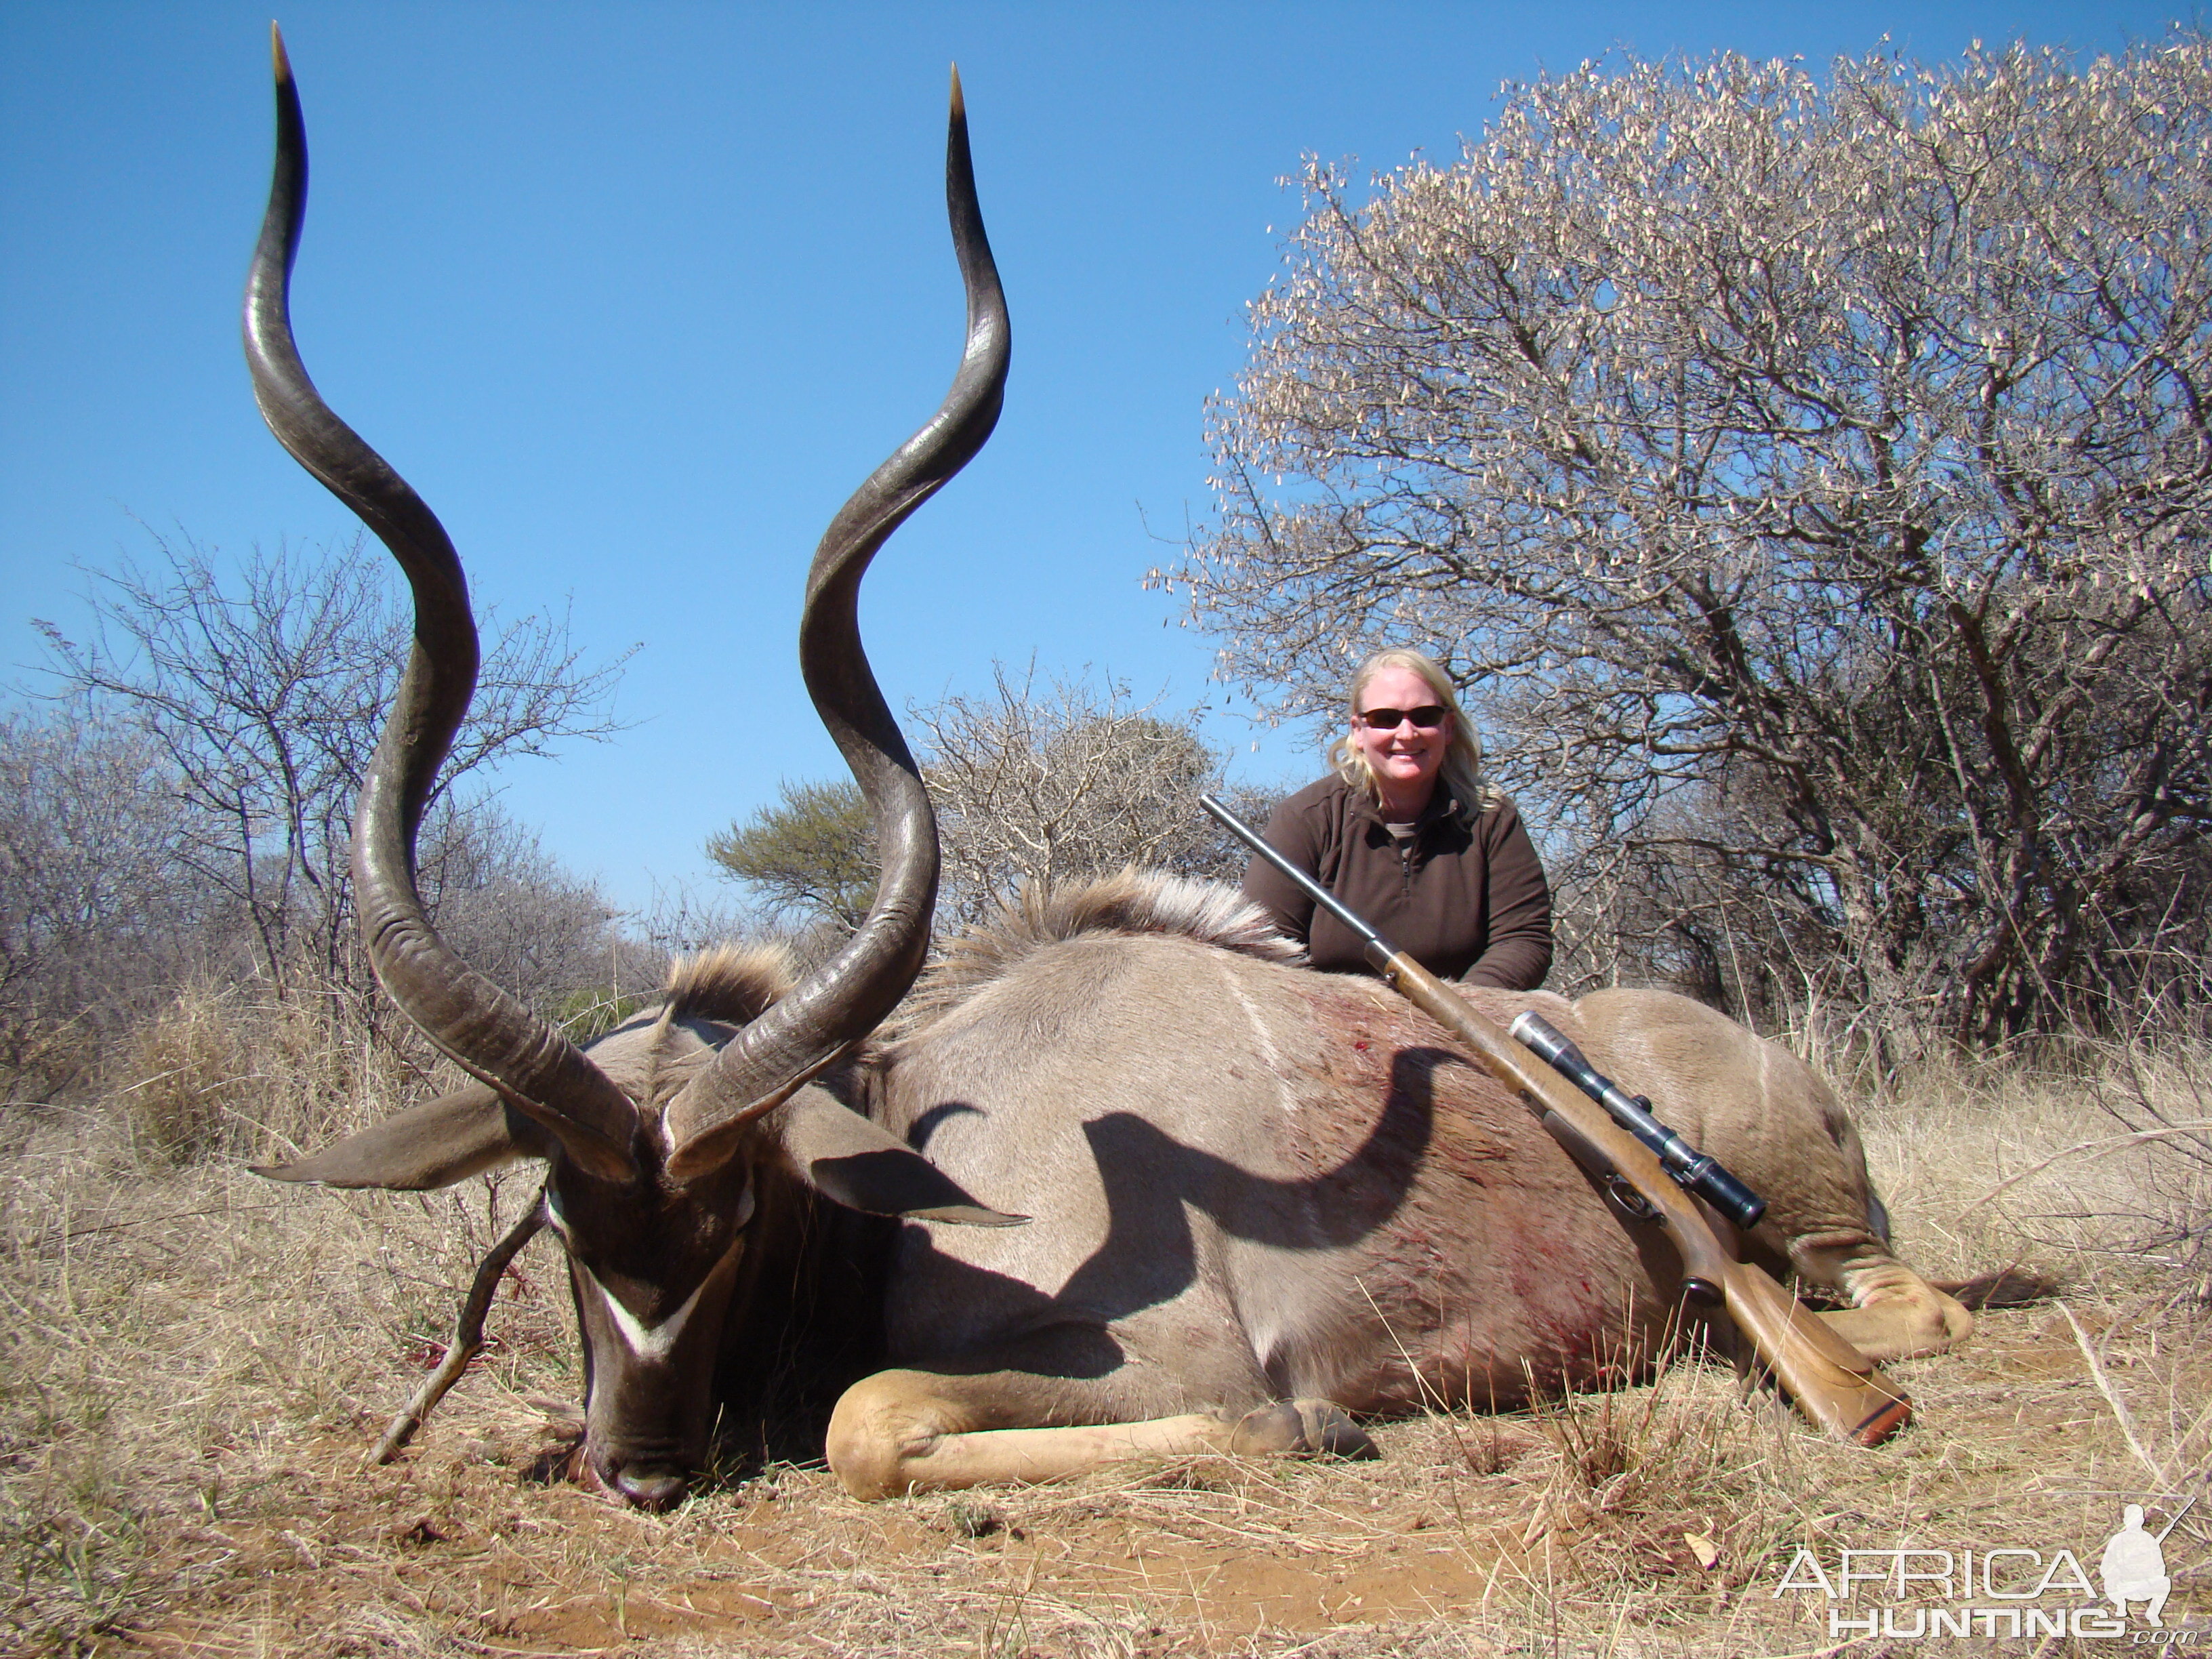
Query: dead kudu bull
x=1265 y=1197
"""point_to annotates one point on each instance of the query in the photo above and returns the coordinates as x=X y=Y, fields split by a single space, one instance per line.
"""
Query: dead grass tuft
x=193 y=1364
x=235 y=1072
x=194 y=1072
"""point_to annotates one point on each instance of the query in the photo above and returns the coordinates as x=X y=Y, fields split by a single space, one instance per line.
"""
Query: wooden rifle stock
x=1831 y=1381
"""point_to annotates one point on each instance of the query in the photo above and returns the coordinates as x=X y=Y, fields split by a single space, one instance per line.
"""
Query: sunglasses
x=1428 y=717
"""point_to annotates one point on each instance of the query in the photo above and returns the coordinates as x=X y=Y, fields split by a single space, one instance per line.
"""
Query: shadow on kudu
x=1265 y=1198
x=1149 y=1185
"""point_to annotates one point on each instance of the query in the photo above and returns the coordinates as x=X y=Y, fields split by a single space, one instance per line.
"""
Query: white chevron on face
x=654 y=1343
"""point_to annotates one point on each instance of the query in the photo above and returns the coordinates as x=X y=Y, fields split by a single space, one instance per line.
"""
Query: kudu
x=678 y=1138
x=1265 y=1197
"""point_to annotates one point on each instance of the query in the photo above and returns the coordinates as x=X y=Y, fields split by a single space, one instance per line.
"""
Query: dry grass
x=236 y=1072
x=192 y=1363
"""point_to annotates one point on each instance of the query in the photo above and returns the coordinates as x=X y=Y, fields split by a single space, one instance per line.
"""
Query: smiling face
x=1404 y=757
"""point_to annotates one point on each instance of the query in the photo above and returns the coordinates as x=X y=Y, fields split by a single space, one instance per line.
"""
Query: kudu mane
x=728 y=985
x=732 y=983
x=1130 y=902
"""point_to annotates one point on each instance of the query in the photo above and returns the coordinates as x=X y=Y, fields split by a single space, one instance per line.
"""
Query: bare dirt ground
x=192 y=1363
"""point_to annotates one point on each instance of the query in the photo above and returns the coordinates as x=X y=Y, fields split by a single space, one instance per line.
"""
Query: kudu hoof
x=1313 y=1428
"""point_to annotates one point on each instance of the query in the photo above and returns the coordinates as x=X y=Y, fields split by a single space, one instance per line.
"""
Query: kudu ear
x=850 y=1161
x=433 y=1145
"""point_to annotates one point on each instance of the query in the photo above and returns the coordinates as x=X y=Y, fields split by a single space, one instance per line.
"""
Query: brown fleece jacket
x=1465 y=903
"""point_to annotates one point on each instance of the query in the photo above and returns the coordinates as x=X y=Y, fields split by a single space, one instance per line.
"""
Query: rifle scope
x=1693 y=1171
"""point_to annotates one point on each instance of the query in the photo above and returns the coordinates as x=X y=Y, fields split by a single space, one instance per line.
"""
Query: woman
x=1407 y=834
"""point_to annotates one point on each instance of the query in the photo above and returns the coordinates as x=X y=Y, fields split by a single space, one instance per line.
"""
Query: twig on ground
x=468 y=1334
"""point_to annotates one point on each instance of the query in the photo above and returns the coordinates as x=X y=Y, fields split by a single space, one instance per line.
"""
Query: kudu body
x=1263 y=1194
x=1266 y=1196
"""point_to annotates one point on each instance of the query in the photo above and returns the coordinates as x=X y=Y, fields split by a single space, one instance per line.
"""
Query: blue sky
x=633 y=295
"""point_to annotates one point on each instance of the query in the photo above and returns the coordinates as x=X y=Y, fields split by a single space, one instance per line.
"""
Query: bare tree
x=1808 y=480
x=513 y=911
x=262 y=693
x=1063 y=783
x=1055 y=783
x=95 y=908
x=105 y=919
x=682 y=920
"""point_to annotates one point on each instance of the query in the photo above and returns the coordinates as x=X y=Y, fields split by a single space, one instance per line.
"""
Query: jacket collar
x=1442 y=804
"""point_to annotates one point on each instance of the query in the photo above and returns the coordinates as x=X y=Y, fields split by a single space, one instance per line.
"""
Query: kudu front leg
x=1895 y=1314
x=902 y=1432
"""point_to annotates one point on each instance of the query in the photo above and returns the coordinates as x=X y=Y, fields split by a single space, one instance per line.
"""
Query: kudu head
x=659 y=1138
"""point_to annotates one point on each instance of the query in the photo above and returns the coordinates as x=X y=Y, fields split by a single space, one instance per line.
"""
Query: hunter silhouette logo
x=2134 y=1567
x=1999 y=1592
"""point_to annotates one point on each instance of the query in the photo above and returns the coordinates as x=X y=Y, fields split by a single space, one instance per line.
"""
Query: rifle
x=1831 y=1381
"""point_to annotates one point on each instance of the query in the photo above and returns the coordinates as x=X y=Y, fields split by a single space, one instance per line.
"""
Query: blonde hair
x=1461 y=772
